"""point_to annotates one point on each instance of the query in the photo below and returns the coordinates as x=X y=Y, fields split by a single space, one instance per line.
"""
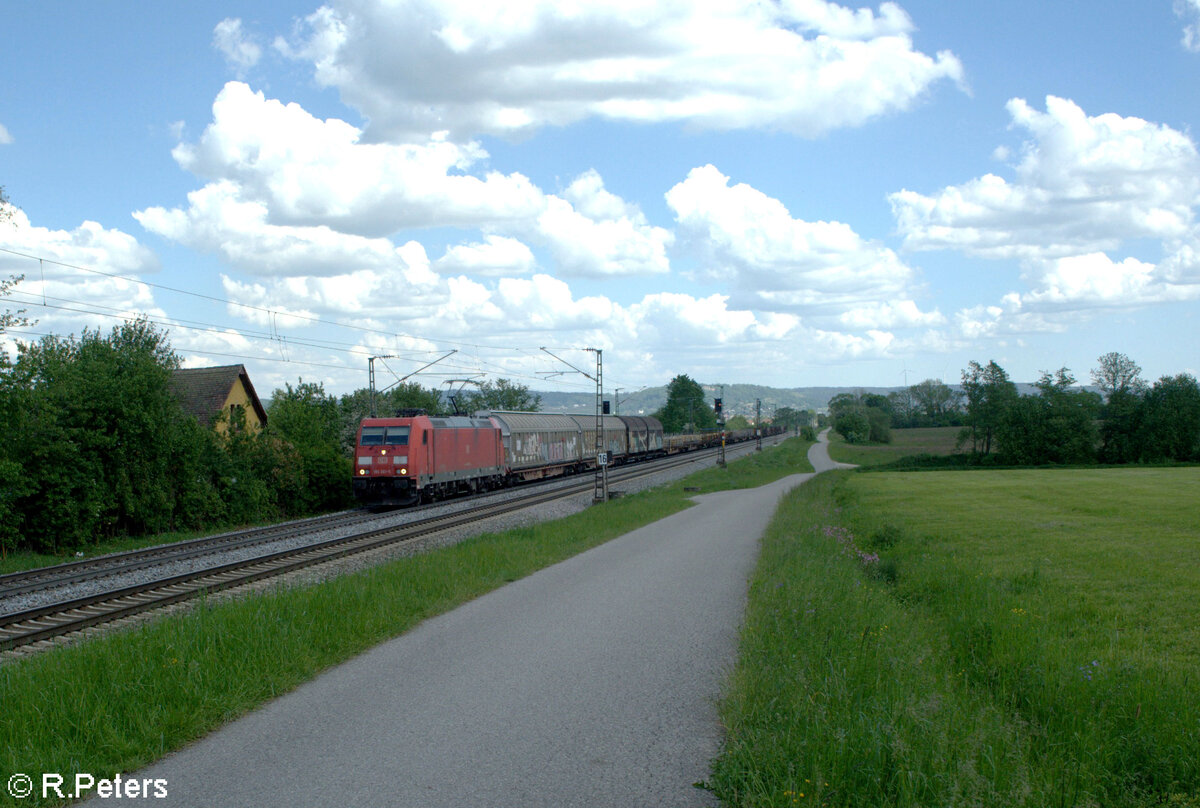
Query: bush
x=94 y=444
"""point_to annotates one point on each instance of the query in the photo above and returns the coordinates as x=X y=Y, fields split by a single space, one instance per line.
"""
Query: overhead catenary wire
x=273 y=335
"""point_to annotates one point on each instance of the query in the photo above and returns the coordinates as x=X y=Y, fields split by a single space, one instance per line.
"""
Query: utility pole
x=600 y=490
x=618 y=401
x=721 y=426
x=758 y=424
x=371 y=374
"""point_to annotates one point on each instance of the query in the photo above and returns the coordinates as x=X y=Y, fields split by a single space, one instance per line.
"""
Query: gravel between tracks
x=527 y=516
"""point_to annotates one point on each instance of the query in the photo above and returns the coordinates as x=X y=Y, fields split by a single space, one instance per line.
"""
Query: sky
x=782 y=192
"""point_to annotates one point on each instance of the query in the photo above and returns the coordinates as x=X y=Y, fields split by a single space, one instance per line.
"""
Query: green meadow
x=937 y=440
x=992 y=638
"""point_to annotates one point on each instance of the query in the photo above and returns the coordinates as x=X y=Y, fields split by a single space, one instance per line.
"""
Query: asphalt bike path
x=590 y=683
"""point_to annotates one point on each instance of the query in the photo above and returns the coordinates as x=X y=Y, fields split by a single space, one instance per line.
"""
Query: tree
x=1118 y=373
x=92 y=434
x=502 y=394
x=852 y=424
x=10 y=319
x=938 y=402
x=877 y=401
x=686 y=409
x=790 y=418
x=1119 y=379
x=304 y=415
x=1170 y=425
x=903 y=408
x=310 y=420
x=843 y=401
x=989 y=394
x=1055 y=426
x=861 y=418
x=738 y=422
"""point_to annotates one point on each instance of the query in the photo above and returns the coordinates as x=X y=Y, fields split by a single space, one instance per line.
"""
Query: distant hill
x=739 y=398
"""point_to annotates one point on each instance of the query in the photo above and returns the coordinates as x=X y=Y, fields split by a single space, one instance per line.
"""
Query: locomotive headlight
x=383 y=451
x=403 y=471
x=362 y=472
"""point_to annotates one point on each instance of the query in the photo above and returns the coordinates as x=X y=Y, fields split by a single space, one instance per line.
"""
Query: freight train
x=416 y=457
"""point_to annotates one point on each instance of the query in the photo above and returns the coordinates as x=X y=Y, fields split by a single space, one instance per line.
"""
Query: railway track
x=71 y=572
x=42 y=623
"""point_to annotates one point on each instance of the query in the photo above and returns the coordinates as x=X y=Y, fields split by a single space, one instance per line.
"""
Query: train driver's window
x=372 y=436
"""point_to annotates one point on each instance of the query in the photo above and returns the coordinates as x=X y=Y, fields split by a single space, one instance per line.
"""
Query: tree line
x=688 y=410
x=1128 y=421
x=94 y=444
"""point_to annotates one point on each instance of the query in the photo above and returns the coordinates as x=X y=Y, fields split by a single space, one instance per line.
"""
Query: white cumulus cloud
x=1085 y=187
x=1083 y=184
x=593 y=232
x=803 y=66
x=241 y=52
x=496 y=255
x=313 y=171
x=780 y=263
x=310 y=189
x=1190 y=10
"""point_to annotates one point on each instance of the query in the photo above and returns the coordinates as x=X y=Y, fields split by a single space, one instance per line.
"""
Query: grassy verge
x=939 y=441
x=755 y=469
x=1000 y=638
x=120 y=701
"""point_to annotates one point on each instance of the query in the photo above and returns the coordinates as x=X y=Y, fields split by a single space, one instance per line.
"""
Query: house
x=207 y=393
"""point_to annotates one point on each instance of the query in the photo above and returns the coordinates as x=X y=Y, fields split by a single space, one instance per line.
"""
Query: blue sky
x=788 y=193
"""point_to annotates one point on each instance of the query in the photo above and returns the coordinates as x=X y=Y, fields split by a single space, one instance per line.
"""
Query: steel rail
x=45 y=622
x=71 y=572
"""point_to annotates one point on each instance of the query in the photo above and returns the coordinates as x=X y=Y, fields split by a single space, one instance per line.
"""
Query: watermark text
x=21 y=786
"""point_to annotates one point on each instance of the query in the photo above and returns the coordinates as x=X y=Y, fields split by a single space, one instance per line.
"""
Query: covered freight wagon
x=615 y=438
x=645 y=434
x=540 y=444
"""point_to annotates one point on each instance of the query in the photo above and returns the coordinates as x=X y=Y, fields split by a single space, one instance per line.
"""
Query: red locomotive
x=401 y=460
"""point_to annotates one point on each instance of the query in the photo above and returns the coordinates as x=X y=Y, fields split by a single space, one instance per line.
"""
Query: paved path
x=591 y=683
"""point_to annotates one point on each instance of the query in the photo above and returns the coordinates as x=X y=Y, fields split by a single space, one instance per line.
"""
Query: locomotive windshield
x=384 y=436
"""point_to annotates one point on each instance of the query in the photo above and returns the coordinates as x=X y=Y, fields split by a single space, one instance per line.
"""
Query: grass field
x=905 y=443
x=119 y=701
x=996 y=638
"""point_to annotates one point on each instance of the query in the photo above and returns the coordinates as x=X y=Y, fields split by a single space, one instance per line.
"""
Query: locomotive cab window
x=397 y=436
x=372 y=436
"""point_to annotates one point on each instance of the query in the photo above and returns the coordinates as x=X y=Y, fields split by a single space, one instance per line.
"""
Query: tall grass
x=888 y=662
